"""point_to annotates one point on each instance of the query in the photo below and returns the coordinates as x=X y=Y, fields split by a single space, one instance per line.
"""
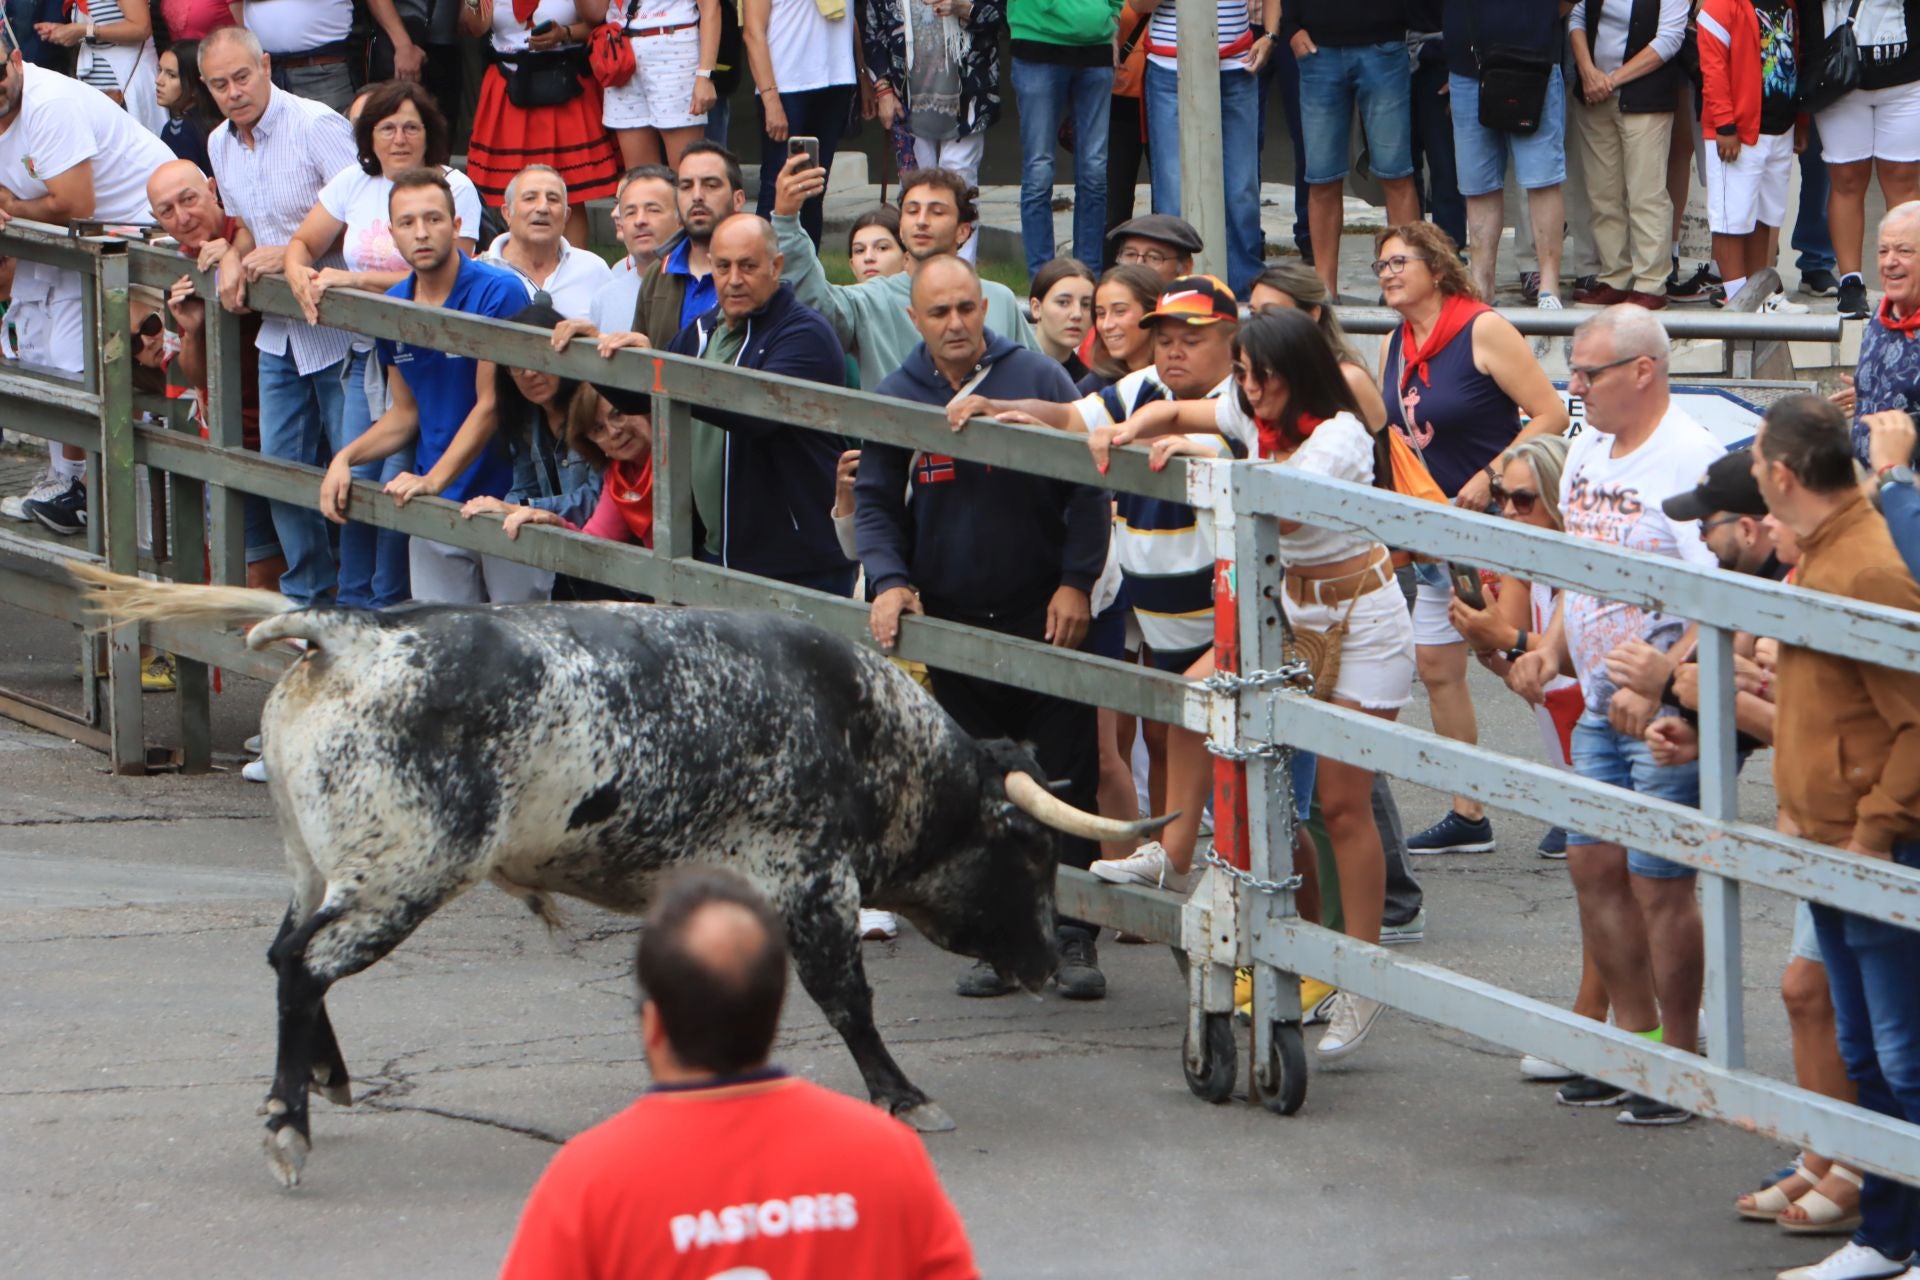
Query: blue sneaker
x=1453 y=834
x=1554 y=843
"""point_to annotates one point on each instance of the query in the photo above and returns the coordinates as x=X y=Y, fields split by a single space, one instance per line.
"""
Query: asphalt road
x=136 y=1041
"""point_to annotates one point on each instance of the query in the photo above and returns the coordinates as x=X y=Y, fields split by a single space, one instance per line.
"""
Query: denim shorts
x=1806 y=941
x=1377 y=77
x=1480 y=154
x=1604 y=754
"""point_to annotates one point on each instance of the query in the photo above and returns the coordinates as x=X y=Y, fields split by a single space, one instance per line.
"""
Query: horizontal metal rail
x=1734 y=327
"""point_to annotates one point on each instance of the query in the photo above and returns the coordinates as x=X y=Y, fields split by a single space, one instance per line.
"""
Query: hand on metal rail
x=1101 y=441
x=300 y=280
x=1175 y=446
x=884 y=619
x=406 y=486
x=567 y=330
x=232 y=277
x=267 y=260
x=211 y=253
x=1630 y=712
x=612 y=342
x=519 y=518
x=968 y=407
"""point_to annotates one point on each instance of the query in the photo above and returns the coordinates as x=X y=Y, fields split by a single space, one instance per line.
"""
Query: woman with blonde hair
x=1457 y=380
x=1298 y=287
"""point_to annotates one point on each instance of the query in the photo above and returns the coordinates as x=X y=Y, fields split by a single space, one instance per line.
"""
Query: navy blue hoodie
x=976 y=541
x=778 y=519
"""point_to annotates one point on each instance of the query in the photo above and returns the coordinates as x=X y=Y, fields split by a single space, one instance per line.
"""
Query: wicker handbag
x=1320 y=650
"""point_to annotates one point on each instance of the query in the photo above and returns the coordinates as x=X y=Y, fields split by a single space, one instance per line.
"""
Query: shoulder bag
x=1836 y=69
x=1513 y=83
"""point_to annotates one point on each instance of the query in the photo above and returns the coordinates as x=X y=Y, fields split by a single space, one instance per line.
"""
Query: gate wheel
x=1287 y=1068
x=1219 y=1060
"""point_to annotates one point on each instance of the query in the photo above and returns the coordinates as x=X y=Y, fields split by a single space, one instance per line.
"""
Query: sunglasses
x=152 y=326
x=1521 y=500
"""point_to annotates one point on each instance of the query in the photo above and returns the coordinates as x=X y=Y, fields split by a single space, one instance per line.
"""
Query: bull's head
x=996 y=881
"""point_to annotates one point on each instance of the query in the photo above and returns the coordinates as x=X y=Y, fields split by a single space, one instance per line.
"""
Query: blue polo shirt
x=701 y=296
x=443 y=385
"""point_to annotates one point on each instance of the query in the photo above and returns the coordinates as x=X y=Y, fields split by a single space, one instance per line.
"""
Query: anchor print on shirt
x=1418 y=434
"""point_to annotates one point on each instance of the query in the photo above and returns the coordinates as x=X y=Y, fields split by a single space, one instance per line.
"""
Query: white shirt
x=809 y=52
x=650 y=14
x=1610 y=35
x=298 y=146
x=295 y=26
x=510 y=35
x=615 y=300
x=1617 y=501
x=64 y=123
x=573 y=283
x=360 y=201
x=1341 y=448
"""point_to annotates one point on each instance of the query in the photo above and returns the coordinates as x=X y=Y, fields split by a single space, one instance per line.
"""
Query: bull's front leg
x=825 y=940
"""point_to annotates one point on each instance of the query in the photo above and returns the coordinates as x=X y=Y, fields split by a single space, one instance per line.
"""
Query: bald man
x=763 y=489
x=728 y=1166
x=991 y=547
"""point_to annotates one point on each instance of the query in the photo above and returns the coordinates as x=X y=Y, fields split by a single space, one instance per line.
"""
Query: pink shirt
x=194 y=19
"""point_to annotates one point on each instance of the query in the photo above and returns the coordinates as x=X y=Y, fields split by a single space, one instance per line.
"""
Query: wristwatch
x=1898 y=474
x=1519 y=649
x=703 y=73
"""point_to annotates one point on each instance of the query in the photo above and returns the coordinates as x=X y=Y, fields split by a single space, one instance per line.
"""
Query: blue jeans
x=1876 y=1004
x=298 y=415
x=1377 y=79
x=1239 y=121
x=1811 y=239
x=1047 y=91
x=816 y=113
x=1604 y=754
x=373 y=561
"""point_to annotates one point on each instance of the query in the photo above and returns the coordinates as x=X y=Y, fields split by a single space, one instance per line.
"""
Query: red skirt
x=570 y=137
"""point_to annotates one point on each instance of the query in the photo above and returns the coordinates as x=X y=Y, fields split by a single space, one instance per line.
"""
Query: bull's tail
x=117 y=599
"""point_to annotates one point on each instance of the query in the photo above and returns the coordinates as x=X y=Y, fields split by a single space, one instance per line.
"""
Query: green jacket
x=1063 y=21
x=871 y=318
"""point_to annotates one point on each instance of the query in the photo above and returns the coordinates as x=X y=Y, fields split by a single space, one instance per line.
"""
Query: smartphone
x=1466 y=583
x=541 y=28
x=811 y=146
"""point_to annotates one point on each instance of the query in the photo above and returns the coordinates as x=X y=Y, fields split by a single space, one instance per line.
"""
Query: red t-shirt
x=779 y=1175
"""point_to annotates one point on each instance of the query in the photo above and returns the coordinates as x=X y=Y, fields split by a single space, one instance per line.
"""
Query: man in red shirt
x=728 y=1165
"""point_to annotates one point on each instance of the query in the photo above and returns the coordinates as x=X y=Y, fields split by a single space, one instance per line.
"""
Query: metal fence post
x=1203 y=194
x=673 y=478
x=1720 y=896
x=226 y=429
x=118 y=498
x=187 y=538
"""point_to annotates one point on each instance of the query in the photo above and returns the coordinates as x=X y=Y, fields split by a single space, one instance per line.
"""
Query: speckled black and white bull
x=581 y=749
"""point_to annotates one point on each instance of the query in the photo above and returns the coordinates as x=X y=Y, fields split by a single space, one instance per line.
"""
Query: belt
x=642 y=33
x=308 y=59
x=1328 y=591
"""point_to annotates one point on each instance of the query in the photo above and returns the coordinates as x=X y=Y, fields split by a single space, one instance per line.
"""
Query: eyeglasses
x=1589 y=372
x=391 y=129
x=1397 y=263
x=1708 y=526
x=1144 y=258
x=153 y=326
x=1521 y=500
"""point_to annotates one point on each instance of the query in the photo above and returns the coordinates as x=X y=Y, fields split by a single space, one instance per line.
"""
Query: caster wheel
x=1286 y=1069
x=1214 y=1082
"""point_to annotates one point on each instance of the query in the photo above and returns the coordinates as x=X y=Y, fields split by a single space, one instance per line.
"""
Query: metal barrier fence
x=1234 y=916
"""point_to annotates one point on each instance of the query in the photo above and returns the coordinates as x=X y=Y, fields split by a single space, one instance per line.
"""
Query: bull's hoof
x=338 y=1092
x=287 y=1150
x=926 y=1117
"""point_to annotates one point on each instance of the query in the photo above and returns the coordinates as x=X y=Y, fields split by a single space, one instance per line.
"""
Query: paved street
x=134 y=914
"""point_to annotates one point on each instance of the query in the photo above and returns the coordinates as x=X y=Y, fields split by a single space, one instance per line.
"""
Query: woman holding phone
x=803 y=78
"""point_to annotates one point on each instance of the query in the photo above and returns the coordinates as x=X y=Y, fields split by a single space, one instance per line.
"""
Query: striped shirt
x=95 y=69
x=1236 y=34
x=271 y=186
x=1165 y=556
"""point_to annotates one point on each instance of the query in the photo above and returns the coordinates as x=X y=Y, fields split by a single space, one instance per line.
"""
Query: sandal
x=1768 y=1203
x=1824 y=1217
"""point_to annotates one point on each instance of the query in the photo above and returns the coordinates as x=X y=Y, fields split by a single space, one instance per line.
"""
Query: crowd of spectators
x=254 y=151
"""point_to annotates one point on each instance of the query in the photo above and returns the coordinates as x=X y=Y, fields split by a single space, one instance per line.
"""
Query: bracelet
x=703 y=73
x=883 y=90
x=772 y=88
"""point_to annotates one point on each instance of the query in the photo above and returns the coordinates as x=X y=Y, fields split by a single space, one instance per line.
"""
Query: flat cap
x=1163 y=227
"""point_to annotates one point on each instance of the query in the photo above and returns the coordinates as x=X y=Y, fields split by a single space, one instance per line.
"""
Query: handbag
x=1398 y=466
x=1836 y=71
x=610 y=54
x=1129 y=71
x=1319 y=650
x=546 y=79
x=1513 y=84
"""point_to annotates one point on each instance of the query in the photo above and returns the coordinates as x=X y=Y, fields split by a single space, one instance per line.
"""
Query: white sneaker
x=253 y=746
x=1147 y=865
x=878 y=926
x=1353 y=1016
x=1781 y=305
x=46 y=486
x=1849 y=1262
x=1540 y=1069
x=254 y=771
x=1549 y=302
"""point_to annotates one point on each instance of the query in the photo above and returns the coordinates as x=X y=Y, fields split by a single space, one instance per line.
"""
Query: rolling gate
x=1243 y=909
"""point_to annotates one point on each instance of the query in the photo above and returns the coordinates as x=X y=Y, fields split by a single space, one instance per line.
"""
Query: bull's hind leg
x=329 y=1065
x=363 y=919
x=825 y=938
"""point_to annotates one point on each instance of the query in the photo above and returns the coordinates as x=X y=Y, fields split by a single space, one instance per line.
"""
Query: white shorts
x=1751 y=191
x=1376 y=662
x=454 y=575
x=1430 y=624
x=662 y=86
x=51 y=334
x=1872 y=124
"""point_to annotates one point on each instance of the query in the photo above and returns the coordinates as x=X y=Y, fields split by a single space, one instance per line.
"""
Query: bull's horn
x=1061 y=816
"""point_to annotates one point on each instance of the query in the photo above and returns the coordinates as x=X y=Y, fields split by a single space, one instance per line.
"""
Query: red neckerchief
x=1908 y=324
x=523 y=11
x=1456 y=313
x=1272 y=437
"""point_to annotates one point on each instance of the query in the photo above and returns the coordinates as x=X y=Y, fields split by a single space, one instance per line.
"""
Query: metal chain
x=1247 y=879
x=1290 y=673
